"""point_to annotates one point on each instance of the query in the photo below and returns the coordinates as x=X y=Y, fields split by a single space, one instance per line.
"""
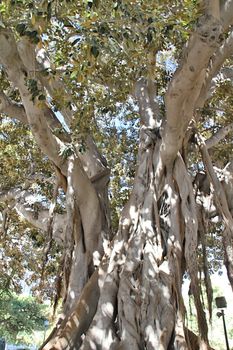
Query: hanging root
x=69 y=332
x=188 y=208
x=223 y=208
x=202 y=233
x=49 y=238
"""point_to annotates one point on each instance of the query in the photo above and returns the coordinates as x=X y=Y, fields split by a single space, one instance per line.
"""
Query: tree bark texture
x=127 y=294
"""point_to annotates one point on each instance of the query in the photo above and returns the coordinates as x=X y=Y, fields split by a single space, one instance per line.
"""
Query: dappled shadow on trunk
x=138 y=304
x=124 y=292
x=134 y=299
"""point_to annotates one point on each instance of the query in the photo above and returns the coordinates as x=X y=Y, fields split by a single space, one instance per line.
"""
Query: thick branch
x=86 y=196
x=93 y=162
x=145 y=92
x=36 y=112
x=188 y=208
x=88 y=204
x=216 y=63
x=185 y=86
x=226 y=13
x=212 y=7
x=208 y=86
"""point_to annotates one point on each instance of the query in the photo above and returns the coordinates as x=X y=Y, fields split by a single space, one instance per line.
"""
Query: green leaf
x=103 y=28
x=41 y=97
x=82 y=148
x=74 y=74
x=66 y=151
x=95 y=51
x=149 y=35
x=3 y=7
x=49 y=10
x=21 y=28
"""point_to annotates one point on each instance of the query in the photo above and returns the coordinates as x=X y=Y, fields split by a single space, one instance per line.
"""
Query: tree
x=73 y=75
x=19 y=314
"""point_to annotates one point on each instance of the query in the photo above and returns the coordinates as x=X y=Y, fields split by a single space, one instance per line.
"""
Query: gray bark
x=128 y=296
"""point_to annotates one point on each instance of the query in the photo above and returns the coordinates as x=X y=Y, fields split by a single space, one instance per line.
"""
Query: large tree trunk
x=140 y=303
x=127 y=295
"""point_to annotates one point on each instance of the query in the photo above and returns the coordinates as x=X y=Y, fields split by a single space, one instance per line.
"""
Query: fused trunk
x=124 y=292
x=140 y=303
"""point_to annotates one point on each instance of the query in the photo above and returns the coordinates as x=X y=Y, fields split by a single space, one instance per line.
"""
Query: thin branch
x=218 y=136
x=17 y=111
x=20 y=201
x=12 y=109
x=222 y=54
x=4 y=221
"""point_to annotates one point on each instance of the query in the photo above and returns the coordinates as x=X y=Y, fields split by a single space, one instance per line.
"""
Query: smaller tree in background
x=19 y=316
x=217 y=339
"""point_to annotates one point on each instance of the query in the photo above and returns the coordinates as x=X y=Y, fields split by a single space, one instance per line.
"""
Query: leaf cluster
x=19 y=314
x=98 y=49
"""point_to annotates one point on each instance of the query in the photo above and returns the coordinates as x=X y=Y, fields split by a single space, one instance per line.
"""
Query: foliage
x=19 y=315
x=99 y=54
x=97 y=51
x=217 y=339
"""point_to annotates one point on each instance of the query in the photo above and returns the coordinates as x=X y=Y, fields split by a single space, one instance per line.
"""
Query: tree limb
x=77 y=322
x=216 y=63
x=183 y=91
x=12 y=109
x=223 y=207
x=226 y=13
x=208 y=85
x=20 y=201
x=145 y=92
x=36 y=112
x=218 y=136
x=86 y=196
